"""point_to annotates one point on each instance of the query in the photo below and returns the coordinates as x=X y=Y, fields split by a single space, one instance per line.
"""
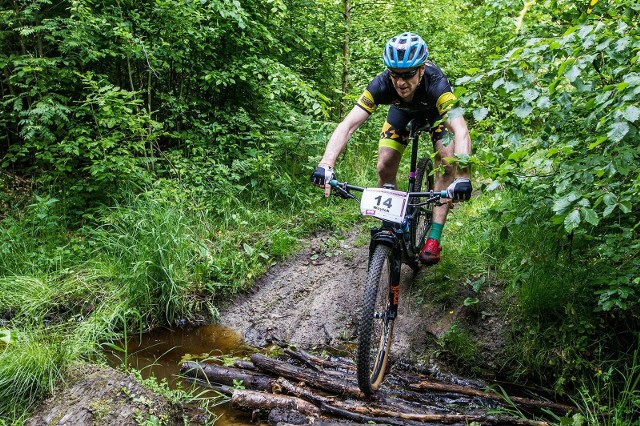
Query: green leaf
x=632 y=113
x=573 y=73
x=523 y=110
x=625 y=206
x=561 y=204
x=597 y=142
x=610 y=199
x=248 y=249
x=530 y=95
x=5 y=336
x=618 y=131
x=608 y=210
x=544 y=102
x=470 y=301
x=480 y=113
x=590 y=216
x=572 y=221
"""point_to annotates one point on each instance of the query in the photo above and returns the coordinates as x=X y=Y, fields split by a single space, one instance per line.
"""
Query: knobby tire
x=421 y=220
x=376 y=329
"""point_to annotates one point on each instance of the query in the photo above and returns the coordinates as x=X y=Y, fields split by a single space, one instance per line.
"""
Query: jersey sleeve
x=377 y=93
x=445 y=102
x=366 y=102
x=443 y=93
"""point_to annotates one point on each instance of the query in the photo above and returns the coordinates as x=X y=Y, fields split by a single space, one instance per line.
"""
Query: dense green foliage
x=155 y=157
x=565 y=113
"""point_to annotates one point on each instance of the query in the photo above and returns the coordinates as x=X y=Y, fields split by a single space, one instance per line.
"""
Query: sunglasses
x=403 y=75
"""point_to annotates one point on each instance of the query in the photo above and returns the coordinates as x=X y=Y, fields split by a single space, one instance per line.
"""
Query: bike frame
x=390 y=234
x=391 y=244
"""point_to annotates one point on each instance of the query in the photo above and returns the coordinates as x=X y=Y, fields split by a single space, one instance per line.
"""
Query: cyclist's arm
x=461 y=141
x=342 y=133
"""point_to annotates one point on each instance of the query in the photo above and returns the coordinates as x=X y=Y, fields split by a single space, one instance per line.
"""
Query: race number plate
x=385 y=204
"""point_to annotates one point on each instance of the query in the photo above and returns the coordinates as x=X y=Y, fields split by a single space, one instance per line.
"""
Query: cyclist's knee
x=388 y=162
x=386 y=174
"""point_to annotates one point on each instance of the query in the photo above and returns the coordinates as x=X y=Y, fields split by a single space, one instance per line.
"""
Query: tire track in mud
x=313 y=301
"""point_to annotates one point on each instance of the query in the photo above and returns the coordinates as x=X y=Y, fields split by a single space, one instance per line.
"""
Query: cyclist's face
x=406 y=81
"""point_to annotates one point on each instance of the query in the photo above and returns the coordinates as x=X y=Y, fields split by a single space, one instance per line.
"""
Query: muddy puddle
x=161 y=352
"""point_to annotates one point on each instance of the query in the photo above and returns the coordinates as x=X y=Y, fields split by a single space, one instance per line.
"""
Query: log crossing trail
x=312 y=389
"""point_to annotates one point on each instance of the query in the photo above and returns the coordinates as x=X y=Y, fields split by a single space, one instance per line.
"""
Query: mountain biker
x=414 y=88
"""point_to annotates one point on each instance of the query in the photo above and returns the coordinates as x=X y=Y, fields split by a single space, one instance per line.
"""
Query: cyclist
x=414 y=88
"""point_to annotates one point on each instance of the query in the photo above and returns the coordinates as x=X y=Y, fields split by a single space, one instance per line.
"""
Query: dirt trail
x=313 y=300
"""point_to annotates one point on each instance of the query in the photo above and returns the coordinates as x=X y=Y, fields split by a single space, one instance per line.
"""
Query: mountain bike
x=406 y=218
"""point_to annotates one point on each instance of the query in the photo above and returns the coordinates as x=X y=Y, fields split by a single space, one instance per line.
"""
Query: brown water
x=161 y=352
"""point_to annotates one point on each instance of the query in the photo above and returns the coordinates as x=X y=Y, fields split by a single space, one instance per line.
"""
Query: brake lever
x=342 y=193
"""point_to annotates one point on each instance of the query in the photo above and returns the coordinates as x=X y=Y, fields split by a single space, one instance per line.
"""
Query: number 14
x=387 y=202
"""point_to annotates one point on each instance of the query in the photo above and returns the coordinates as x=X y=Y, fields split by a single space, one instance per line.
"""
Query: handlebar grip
x=443 y=194
x=333 y=183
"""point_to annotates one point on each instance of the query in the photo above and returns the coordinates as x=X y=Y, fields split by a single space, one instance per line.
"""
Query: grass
x=460 y=347
x=154 y=258
x=30 y=367
x=612 y=397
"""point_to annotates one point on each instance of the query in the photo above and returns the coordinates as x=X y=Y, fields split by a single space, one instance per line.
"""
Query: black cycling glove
x=322 y=175
x=460 y=189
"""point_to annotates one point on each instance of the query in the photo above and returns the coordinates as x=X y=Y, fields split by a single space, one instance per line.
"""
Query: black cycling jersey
x=434 y=95
x=431 y=101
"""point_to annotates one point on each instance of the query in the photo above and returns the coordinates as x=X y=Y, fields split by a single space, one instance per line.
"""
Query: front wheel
x=376 y=324
x=421 y=219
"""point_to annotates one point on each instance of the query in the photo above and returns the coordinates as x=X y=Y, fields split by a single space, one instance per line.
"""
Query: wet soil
x=93 y=395
x=313 y=301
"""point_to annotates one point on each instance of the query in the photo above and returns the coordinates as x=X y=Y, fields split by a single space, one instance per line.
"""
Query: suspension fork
x=387 y=235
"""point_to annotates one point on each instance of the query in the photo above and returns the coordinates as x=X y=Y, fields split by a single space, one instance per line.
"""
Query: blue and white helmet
x=407 y=50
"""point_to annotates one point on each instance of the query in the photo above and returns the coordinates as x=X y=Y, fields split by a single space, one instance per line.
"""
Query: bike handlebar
x=343 y=189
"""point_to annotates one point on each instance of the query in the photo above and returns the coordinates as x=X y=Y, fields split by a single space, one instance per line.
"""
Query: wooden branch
x=327 y=406
x=252 y=400
x=245 y=365
x=318 y=363
x=340 y=386
x=212 y=373
x=443 y=387
x=360 y=412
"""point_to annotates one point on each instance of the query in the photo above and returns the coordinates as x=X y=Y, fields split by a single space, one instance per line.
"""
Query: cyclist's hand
x=460 y=189
x=321 y=177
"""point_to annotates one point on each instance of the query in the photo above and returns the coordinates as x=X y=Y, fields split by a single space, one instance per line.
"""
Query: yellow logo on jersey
x=444 y=102
x=367 y=103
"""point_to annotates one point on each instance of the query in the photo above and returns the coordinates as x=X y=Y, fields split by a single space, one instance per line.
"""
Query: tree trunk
x=252 y=400
x=226 y=375
x=345 y=58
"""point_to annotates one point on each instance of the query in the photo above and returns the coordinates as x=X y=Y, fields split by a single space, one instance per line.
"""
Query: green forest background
x=155 y=158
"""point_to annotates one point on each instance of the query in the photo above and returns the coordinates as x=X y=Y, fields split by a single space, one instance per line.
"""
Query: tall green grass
x=151 y=248
x=559 y=339
x=31 y=365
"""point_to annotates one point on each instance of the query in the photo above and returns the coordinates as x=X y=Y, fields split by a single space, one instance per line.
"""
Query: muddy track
x=313 y=301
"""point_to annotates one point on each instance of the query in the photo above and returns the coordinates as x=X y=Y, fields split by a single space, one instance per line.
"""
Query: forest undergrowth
x=145 y=175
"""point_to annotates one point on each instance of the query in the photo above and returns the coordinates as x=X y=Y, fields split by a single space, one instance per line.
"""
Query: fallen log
x=245 y=365
x=527 y=402
x=226 y=375
x=318 y=363
x=360 y=412
x=254 y=400
x=342 y=386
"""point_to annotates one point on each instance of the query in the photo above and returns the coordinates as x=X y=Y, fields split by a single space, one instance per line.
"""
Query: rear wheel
x=376 y=327
x=421 y=220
